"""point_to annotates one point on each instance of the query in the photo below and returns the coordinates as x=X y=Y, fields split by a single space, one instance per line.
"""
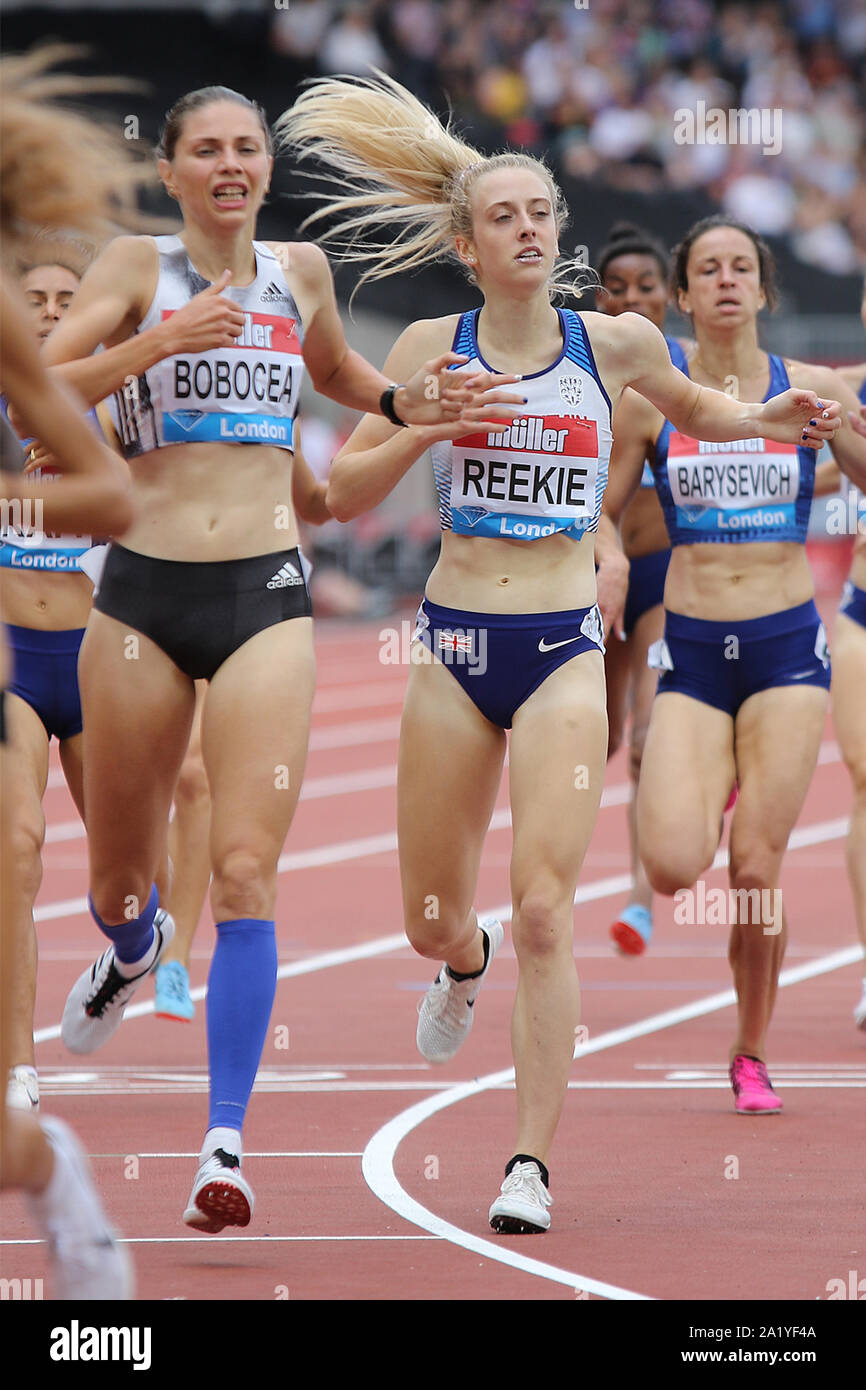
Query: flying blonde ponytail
x=400 y=169
x=59 y=169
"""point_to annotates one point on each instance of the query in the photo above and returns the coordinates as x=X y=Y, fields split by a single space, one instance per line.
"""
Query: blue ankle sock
x=240 y=995
x=131 y=940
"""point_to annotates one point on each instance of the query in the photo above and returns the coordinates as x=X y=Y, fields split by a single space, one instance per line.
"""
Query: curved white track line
x=378 y=1162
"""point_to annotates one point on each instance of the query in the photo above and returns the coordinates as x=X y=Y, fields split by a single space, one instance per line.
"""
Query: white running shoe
x=88 y=1260
x=446 y=1011
x=521 y=1207
x=220 y=1196
x=860 y=1010
x=22 y=1089
x=97 y=1000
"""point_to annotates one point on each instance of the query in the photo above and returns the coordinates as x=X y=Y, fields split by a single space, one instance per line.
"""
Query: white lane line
x=377 y=1166
x=721 y=1084
x=307 y=1153
x=313 y=789
x=379 y=730
x=325 y=961
x=225 y=1240
x=373 y=779
x=378 y=1162
x=190 y=1088
x=378 y=844
x=370 y=696
x=323 y=737
x=350 y=735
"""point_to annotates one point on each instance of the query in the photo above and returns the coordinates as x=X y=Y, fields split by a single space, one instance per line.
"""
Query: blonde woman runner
x=58 y=169
x=509 y=615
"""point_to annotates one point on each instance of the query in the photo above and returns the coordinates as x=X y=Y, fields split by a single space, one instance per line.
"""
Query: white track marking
x=346 y=784
x=371 y=696
x=380 y=1156
x=378 y=1162
x=350 y=735
x=378 y=1169
x=246 y=1240
x=371 y=779
x=269 y=1154
x=378 y=844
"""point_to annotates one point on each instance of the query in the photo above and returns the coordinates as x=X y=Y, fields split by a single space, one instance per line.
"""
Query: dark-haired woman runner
x=745 y=669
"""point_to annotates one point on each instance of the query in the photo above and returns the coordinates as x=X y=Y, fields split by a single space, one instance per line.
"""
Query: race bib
x=244 y=394
x=733 y=486
x=538 y=477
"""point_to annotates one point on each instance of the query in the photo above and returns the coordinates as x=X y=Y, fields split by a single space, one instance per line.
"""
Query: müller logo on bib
x=534 y=462
x=267 y=331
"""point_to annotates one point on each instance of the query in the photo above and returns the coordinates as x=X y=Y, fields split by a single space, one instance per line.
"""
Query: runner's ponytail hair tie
x=460 y=176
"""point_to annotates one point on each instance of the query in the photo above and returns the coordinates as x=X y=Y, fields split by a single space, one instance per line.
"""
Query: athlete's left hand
x=799 y=417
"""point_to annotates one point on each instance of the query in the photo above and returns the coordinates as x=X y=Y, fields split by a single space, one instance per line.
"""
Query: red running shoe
x=729 y=804
x=753 y=1093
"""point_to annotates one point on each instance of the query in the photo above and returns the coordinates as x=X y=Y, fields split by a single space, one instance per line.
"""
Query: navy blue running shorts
x=723 y=663
x=500 y=659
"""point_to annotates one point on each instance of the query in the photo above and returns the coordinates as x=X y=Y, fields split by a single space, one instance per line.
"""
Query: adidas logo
x=286 y=575
x=273 y=294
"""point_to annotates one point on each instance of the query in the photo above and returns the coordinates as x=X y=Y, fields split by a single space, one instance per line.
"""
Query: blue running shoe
x=172 y=992
x=633 y=930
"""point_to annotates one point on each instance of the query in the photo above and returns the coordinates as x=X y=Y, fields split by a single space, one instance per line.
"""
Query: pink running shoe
x=753 y=1093
x=735 y=791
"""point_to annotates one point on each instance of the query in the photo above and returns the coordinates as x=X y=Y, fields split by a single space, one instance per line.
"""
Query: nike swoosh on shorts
x=550 y=646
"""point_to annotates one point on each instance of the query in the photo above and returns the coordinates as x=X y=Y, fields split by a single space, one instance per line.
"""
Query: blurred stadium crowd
x=596 y=86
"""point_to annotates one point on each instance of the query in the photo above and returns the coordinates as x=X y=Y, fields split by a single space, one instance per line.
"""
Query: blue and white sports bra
x=548 y=471
x=744 y=490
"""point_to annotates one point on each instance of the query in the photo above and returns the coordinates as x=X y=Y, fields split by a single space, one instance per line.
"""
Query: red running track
x=660 y=1190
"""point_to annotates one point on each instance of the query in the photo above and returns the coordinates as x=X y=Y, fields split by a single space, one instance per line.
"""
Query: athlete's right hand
x=492 y=415
x=207 y=321
x=435 y=395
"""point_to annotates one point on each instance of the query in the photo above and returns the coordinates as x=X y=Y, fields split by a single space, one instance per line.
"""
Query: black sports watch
x=386 y=405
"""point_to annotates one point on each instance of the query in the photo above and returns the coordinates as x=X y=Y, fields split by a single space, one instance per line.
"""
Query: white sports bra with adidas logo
x=245 y=394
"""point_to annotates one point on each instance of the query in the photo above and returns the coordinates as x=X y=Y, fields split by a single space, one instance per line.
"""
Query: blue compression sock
x=240 y=996
x=131 y=940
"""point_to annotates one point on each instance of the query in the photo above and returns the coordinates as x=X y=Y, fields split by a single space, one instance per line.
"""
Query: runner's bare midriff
x=208 y=502
x=737 y=582
x=487 y=575
x=47 y=602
